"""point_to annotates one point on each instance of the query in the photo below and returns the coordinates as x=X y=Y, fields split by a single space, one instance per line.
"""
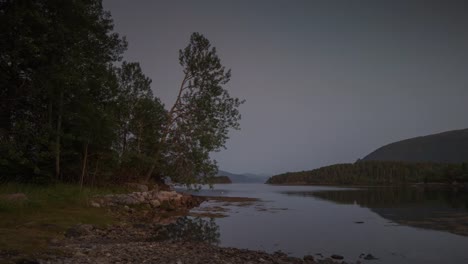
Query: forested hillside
x=449 y=147
x=377 y=173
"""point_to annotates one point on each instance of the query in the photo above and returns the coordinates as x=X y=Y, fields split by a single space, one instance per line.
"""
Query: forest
x=73 y=110
x=377 y=173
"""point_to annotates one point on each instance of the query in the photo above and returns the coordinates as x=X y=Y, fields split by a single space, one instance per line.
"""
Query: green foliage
x=68 y=113
x=199 y=121
x=377 y=173
x=56 y=85
x=140 y=117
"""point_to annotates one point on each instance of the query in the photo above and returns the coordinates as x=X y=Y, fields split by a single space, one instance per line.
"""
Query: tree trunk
x=168 y=125
x=150 y=172
x=95 y=172
x=49 y=109
x=140 y=132
x=83 y=168
x=57 y=139
x=124 y=141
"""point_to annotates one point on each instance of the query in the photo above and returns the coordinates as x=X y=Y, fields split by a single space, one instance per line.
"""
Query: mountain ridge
x=243 y=178
x=445 y=147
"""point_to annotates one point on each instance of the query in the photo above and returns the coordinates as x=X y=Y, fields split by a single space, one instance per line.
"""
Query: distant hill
x=446 y=147
x=243 y=178
x=437 y=158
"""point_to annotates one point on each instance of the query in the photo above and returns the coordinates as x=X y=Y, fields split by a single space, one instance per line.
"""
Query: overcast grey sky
x=325 y=81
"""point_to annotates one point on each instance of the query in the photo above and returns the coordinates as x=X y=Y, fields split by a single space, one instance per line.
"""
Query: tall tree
x=52 y=55
x=139 y=116
x=199 y=121
x=133 y=87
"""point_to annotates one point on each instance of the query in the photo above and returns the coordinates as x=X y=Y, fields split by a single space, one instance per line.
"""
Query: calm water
x=412 y=225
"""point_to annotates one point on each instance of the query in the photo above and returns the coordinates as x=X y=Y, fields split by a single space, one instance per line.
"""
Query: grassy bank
x=28 y=226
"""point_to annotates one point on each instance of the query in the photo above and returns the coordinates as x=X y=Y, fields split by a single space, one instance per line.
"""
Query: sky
x=325 y=82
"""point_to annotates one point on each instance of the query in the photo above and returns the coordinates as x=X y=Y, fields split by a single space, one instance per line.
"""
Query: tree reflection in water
x=190 y=229
x=444 y=209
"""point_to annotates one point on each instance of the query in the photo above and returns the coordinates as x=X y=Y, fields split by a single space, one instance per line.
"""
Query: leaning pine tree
x=199 y=121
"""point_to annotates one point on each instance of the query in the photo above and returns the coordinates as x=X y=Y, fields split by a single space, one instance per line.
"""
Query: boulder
x=369 y=257
x=337 y=256
x=309 y=258
x=155 y=203
x=126 y=200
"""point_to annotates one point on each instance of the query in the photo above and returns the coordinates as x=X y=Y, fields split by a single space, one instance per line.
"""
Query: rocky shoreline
x=138 y=243
x=152 y=227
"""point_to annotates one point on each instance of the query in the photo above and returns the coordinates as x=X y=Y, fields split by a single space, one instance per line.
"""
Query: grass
x=26 y=227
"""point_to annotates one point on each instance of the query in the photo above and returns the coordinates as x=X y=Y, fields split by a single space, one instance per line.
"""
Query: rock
x=54 y=242
x=79 y=254
x=146 y=206
x=95 y=204
x=279 y=253
x=167 y=205
x=141 y=226
x=15 y=197
x=128 y=200
x=309 y=258
x=126 y=208
x=138 y=186
x=155 y=203
x=139 y=197
x=370 y=257
x=166 y=195
x=334 y=256
x=79 y=230
x=27 y=261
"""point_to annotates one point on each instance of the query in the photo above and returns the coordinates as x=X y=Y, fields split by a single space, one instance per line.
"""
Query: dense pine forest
x=72 y=110
x=377 y=173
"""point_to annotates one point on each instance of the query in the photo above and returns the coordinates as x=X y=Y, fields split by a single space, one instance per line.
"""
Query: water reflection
x=190 y=229
x=444 y=209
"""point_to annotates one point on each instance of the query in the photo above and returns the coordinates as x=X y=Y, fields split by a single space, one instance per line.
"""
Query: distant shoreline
x=429 y=184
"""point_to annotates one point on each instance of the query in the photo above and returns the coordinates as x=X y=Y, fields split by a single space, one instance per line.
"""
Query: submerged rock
x=370 y=257
x=334 y=256
x=309 y=259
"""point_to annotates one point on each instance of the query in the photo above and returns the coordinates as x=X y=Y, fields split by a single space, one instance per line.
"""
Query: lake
x=395 y=225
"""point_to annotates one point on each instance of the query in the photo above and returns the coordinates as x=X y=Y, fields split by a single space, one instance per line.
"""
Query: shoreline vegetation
x=63 y=224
